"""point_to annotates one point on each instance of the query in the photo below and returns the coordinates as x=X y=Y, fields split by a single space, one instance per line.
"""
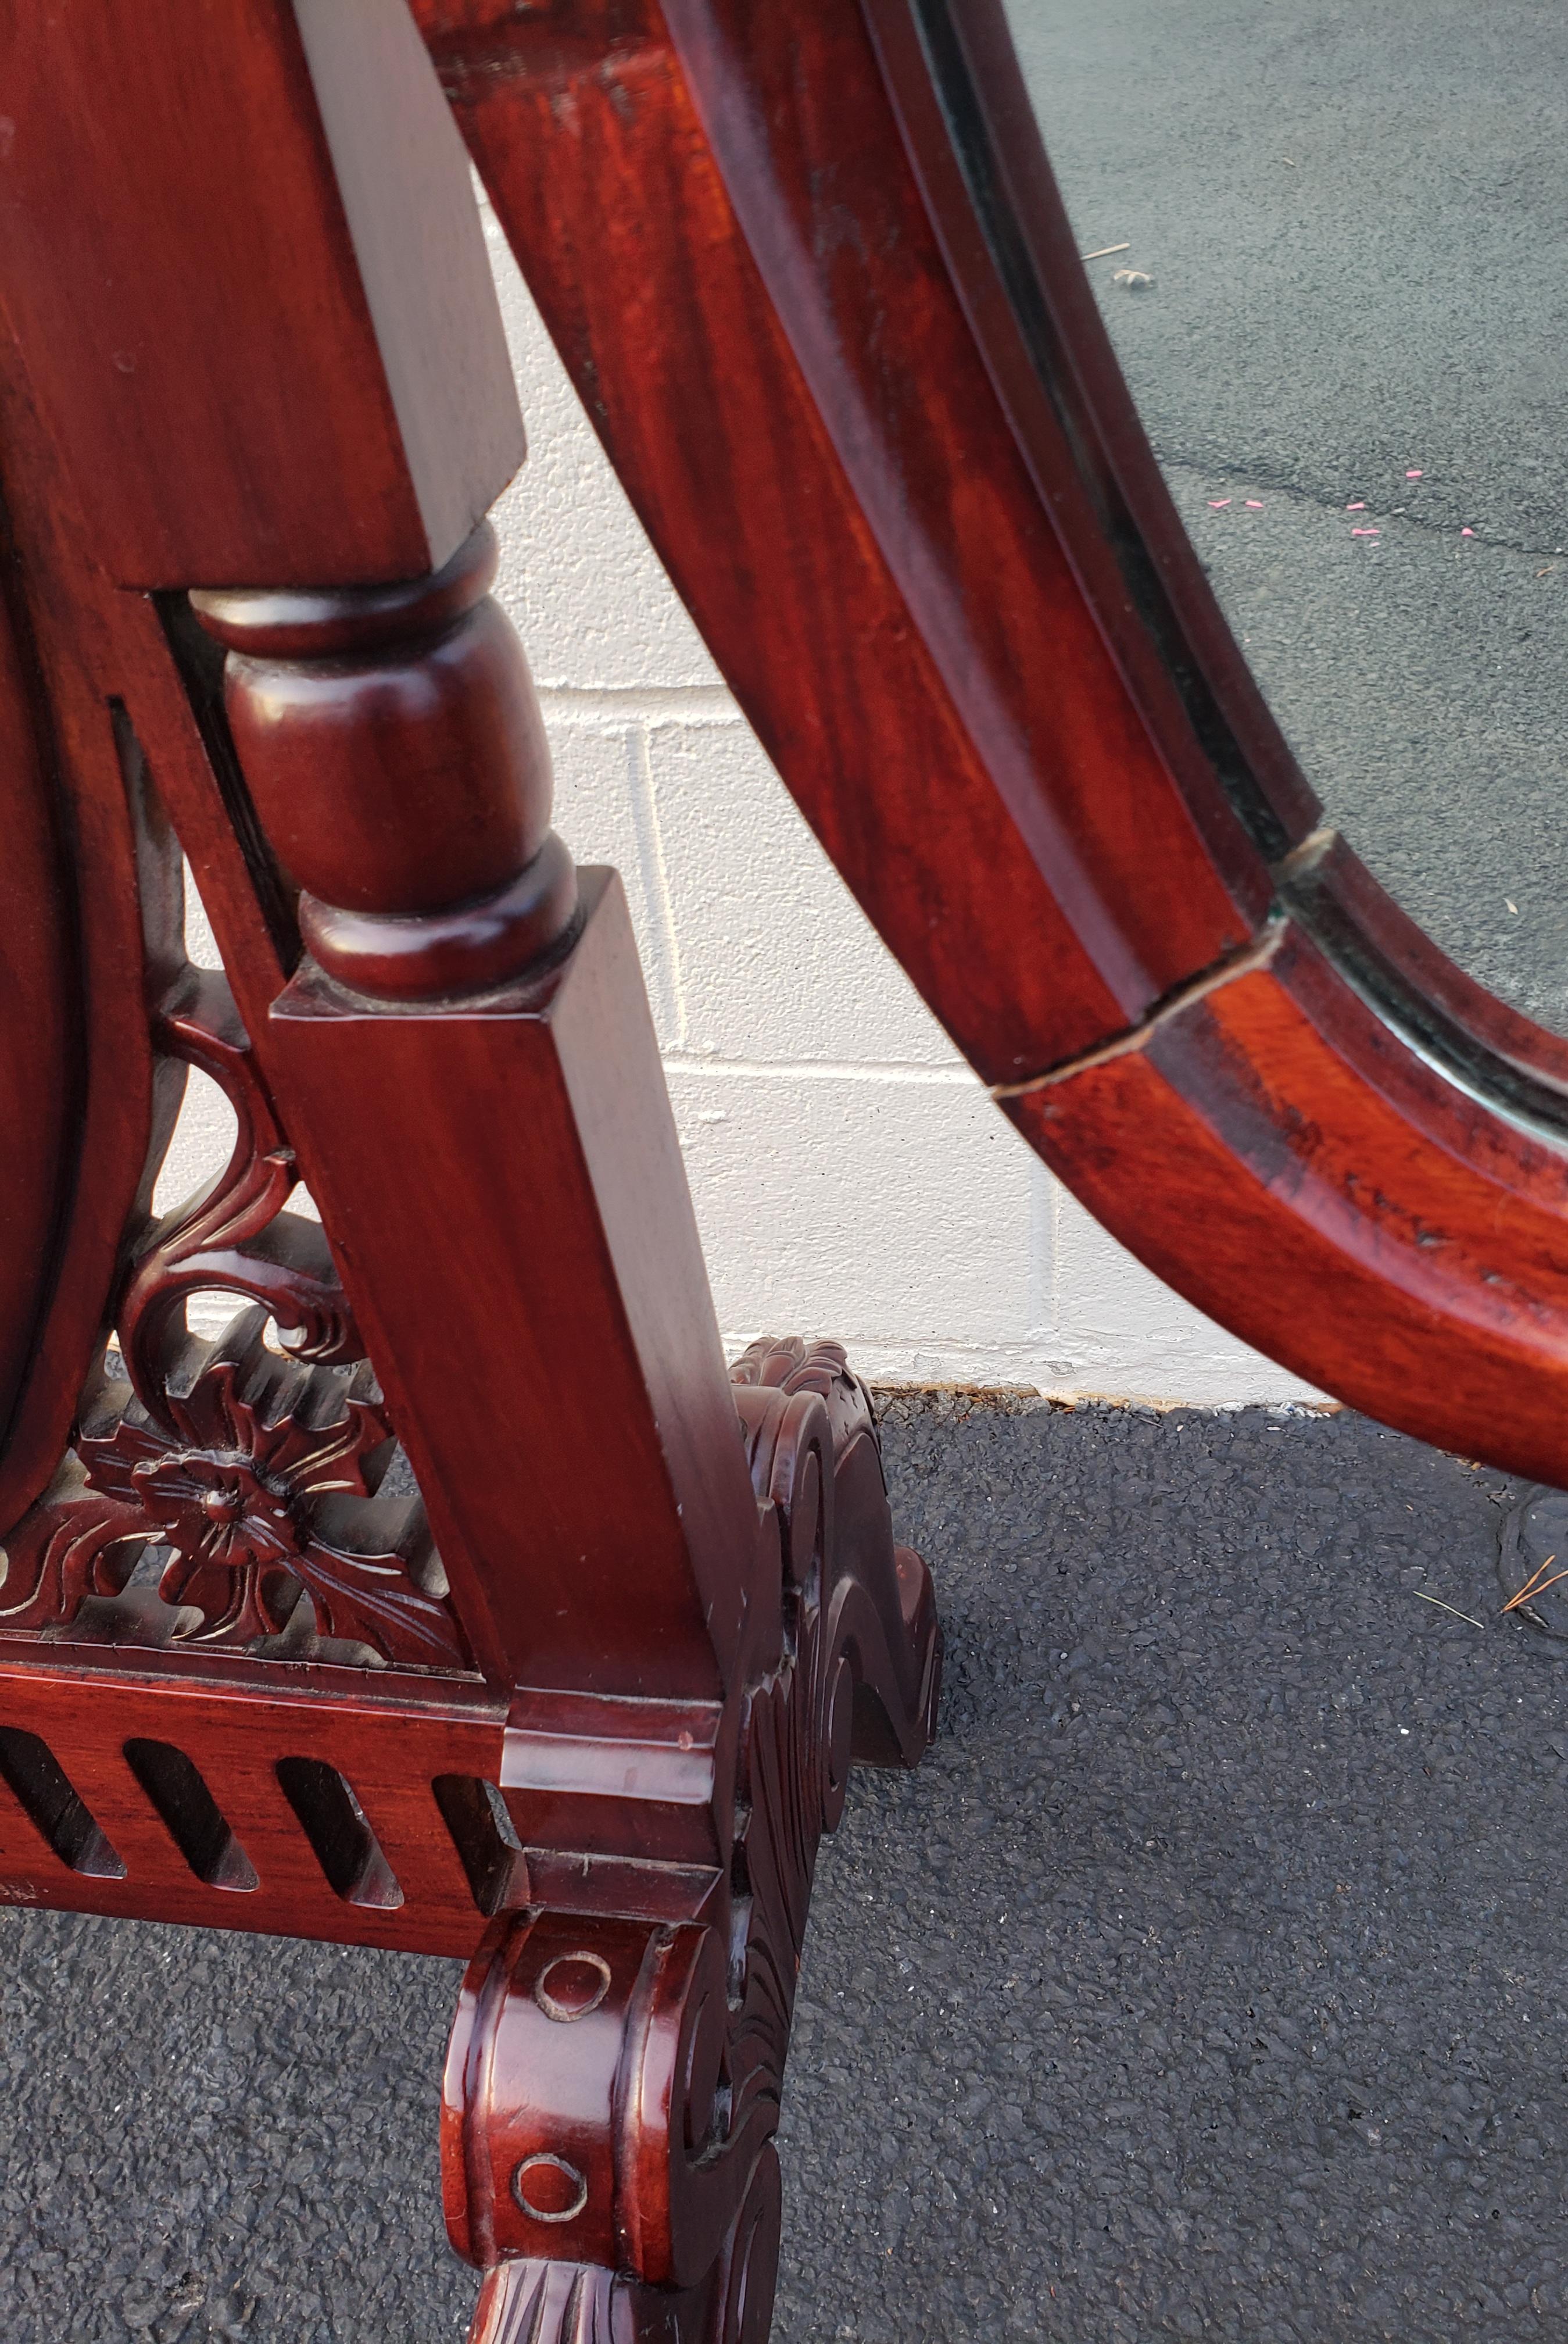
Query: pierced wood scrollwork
x=613 y=2085
x=233 y=1493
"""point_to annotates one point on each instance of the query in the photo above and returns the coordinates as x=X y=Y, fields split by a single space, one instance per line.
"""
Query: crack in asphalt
x=1260 y=477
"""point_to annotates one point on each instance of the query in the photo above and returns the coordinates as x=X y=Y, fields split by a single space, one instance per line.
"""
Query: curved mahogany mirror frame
x=811 y=276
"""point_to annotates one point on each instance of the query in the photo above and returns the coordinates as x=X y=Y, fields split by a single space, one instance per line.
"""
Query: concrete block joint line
x=1305 y=306
x=849 y=1174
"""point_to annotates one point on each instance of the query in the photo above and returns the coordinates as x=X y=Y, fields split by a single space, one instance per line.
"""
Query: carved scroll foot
x=532 y=2300
x=613 y=2085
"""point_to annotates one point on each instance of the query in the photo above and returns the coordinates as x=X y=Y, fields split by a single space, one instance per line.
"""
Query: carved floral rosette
x=239 y=1494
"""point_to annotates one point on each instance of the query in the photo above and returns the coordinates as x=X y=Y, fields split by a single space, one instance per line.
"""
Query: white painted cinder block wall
x=851 y=1176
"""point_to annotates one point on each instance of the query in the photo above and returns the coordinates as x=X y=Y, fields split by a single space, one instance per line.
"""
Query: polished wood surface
x=508 y=1195
x=814 y=487
x=395 y=759
x=40 y=1049
x=613 y=2082
x=296 y=298
x=81 y=1831
x=91 y=888
x=910 y=503
x=456 y=1597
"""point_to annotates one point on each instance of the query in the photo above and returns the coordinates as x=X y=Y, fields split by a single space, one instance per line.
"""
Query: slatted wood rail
x=458 y=1597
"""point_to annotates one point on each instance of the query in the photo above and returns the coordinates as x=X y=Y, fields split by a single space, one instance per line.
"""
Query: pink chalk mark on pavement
x=1366 y=532
x=1357 y=508
x=1253 y=505
x=1218 y=504
x=1413 y=476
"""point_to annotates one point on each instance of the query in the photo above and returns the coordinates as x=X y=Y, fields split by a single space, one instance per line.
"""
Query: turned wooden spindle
x=471 y=1027
x=393 y=745
x=681 y=1585
x=585 y=1715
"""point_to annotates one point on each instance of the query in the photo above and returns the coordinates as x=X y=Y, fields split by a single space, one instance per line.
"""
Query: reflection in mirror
x=1331 y=244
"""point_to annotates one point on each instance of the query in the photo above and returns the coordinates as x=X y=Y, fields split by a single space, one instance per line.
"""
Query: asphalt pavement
x=1206 y=1981
x=1355 y=219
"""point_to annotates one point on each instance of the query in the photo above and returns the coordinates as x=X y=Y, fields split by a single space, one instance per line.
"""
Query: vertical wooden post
x=475 y=1088
x=686 y=1583
x=285 y=394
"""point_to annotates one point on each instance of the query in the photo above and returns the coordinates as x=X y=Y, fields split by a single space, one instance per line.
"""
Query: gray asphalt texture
x=1207 y=1981
x=1356 y=220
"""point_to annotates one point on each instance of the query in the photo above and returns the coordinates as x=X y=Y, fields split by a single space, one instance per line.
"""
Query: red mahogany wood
x=909 y=502
x=597 y=1683
x=397 y=760
x=511 y=1176
x=1412 y=1218
x=40 y=1056
x=1349 y=912
x=598 y=1734
x=296 y=301
x=507 y=1196
x=816 y=487
x=86 y=1109
x=612 y=2087
x=400 y=1759
x=970 y=134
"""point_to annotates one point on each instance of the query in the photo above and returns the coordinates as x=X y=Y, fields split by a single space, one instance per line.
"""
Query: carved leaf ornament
x=256 y=1473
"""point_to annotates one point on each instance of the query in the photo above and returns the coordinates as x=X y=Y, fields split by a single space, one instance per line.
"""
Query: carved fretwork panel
x=591 y=1712
x=242 y=1494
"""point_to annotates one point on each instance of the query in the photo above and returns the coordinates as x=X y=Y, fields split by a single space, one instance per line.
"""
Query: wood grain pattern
x=87 y=1121
x=817 y=454
x=613 y=2084
x=691 y=1655
x=969 y=130
x=394 y=753
x=280 y=359
x=508 y=1193
x=392 y=1755
x=609 y=1721
x=808 y=266
x=1423 y=1237
x=858 y=279
x=41 y=1044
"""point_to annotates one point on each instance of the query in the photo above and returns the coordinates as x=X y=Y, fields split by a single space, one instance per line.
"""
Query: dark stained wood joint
x=458 y=1597
x=399 y=765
